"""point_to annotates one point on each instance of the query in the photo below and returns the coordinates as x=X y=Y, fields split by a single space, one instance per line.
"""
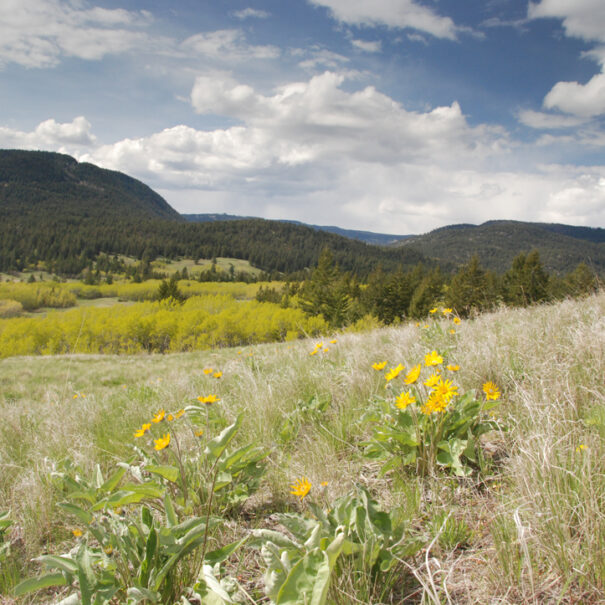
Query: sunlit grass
x=529 y=528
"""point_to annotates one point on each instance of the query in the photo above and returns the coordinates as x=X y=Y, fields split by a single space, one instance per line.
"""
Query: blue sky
x=396 y=116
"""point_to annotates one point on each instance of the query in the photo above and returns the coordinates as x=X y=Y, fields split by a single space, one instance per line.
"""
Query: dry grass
x=536 y=517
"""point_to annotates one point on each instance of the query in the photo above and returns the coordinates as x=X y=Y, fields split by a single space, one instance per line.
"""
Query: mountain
x=561 y=247
x=64 y=213
x=51 y=183
x=369 y=237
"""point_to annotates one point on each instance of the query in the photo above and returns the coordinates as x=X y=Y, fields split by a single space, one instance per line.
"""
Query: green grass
x=529 y=529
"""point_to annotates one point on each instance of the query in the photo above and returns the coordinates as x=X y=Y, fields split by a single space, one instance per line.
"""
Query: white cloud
x=317 y=151
x=584 y=100
x=367 y=45
x=318 y=58
x=228 y=45
x=247 y=13
x=392 y=13
x=581 y=18
x=37 y=33
x=50 y=135
x=541 y=120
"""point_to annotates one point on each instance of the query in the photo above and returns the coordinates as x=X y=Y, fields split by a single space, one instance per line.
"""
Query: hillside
x=561 y=247
x=60 y=212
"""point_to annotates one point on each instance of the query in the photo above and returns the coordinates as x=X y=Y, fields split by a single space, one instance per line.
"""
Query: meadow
x=441 y=462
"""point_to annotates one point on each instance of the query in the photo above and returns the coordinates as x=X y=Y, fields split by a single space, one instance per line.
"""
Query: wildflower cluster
x=320 y=347
x=429 y=422
x=160 y=417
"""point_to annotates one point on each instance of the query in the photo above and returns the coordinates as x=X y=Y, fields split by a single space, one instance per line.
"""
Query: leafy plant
x=302 y=561
x=430 y=426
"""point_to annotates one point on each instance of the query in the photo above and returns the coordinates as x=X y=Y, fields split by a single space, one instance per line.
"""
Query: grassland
x=526 y=526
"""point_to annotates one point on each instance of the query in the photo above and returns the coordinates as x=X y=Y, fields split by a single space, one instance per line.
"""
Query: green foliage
x=142 y=539
x=301 y=564
x=5 y=523
x=471 y=289
x=526 y=282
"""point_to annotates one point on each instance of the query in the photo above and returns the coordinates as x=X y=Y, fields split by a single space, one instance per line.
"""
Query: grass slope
x=531 y=529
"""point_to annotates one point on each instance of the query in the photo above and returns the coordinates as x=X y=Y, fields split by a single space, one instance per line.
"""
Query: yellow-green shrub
x=202 y=322
x=10 y=308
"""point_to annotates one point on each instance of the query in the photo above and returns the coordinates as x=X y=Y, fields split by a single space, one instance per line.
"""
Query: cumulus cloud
x=50 y=135
x=584 y=100
x=37 y=33
x=542 y=120
x=247 y=13
x=581 y=18
x=227 y=45
x=401 y=14
x=367 y=45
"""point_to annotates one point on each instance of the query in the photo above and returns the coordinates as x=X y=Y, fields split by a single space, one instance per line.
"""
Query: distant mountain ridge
x=561 y=247
x=369 y=237
x=64 y=213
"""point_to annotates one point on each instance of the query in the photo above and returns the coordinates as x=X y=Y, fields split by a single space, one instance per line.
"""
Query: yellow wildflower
x=333 y=341
x=108 y=549
x=580 y=447
x=452 y=331
x=457 y=320
x=199 y=433
x=77 y=532
x=434 y=310
x=162 y=442
x=301 y=487
x=314 y=352
x=209 y=399
x=170 y=417
x=379 y=365
x=453 y=368
x=159 y=416
x=435 y=403
x=432 y=380
x=433 y=359
x=394 y=372
x=491 y=391
x=324 y=484
x=208 y=371
x=412 y=375
x=143 y=430
x=447 y=311
x=217 y=374
x=445 y=389
x=179 y=413
x=404 y=399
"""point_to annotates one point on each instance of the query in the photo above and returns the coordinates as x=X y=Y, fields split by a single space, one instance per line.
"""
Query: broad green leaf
x=113 y=481
x=169 y=508
x=171 y=473
x=277 y=538
x=221 y=554
x=86 y=576
x=216 y=446
x=75 y=510
x=45 y=581
x=138 y=594
x=66 y=564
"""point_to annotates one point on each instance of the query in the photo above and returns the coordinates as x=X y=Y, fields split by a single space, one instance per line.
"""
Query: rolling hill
x=561 y=247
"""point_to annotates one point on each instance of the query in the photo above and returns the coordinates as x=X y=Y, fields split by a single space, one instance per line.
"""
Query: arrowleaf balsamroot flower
x=162 y=442
x=208 y=371
x=491 y=391
x=457 y=320
x=432 y=380
x=404 y=399
x=447 y=311
x=453 y=368
x=433 y=359
x=445 y=389
x=412 y=375
x=394 y=372
x=301 y=487
x=209 y=399
x=379 y=365
x=217 y=374
x=434 y=403
x=143 y=430
x=159 y=416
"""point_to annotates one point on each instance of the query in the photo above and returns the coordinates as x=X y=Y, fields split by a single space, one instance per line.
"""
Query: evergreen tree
x=526 y=282
x=469 y=289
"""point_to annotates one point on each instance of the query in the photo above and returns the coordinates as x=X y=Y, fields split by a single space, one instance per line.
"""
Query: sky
x=394 y=116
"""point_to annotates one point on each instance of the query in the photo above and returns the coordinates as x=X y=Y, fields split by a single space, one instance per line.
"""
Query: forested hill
x=561 y=247
x=55 y=210
x=48 y=184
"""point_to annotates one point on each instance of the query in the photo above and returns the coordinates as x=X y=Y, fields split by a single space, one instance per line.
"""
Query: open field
x=525 y=525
